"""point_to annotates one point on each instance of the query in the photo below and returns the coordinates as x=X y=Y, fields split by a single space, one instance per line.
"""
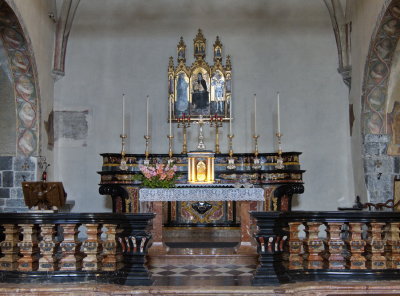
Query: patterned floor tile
x=234 y=271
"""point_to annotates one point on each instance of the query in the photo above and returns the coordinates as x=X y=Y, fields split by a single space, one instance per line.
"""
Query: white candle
x=255 y=115
x=147 y=115
x=123 y=114
x=230 y=119
x=170 y=117
x=278 y=116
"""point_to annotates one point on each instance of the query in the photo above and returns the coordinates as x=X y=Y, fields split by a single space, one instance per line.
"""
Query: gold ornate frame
x=200 y=89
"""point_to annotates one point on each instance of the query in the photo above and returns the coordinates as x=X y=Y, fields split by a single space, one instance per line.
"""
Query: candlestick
x=147 y=115
x=123 y=114
x=170 y=137
x=123 y=166
x=217 y=123
x=146 y=151
x=184 y=123
x=255 y=114
x=256 y=160
x=279 y=161
x=278 y=116
x=231 y=161
x=170 y=116
x=230 y=118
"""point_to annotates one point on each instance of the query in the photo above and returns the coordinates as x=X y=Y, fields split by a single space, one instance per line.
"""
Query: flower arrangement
x=159 y=175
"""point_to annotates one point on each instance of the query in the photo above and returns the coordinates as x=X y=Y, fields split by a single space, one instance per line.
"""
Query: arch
x=18 y=48
x=378 y=68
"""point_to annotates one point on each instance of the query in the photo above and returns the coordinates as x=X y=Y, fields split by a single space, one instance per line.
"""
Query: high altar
x=214 y=190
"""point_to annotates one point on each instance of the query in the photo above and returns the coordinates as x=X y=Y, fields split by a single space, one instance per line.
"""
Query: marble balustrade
x=52 y=247
x=299 y=246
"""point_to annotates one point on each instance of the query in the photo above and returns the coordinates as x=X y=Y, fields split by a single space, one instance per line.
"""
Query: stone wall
x=13 y=171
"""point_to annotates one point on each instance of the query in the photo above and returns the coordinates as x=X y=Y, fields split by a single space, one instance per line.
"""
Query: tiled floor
x=218 y=275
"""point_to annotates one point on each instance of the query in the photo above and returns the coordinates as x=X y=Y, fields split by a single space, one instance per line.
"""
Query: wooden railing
x=47 y=247
x=299 y=246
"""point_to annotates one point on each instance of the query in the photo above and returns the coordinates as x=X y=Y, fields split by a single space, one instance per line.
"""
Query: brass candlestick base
x=170 y=137
x=231 y=161
x=257 y=164
x=279 y=161
x=123 y=166
x=146 y=151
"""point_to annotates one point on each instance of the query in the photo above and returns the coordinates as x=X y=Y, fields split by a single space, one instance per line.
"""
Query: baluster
x=47 y=247
x=357 y=246
x=336 y=244
x=393 y=246
x=92 y=247
x=295 y=244
x=71 y=259
x=9 y=247
x=314 y=245
x=111 y=254
x=377 y=247
x=28 y=248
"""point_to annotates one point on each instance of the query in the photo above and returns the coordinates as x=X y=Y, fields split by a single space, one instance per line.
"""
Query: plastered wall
x=123 y=46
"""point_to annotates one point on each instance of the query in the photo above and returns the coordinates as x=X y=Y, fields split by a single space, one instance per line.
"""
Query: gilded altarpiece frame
x=200 y=89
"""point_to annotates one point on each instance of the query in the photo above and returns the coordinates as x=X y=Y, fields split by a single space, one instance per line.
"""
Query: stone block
x=25 y=164
x=2 y=202
x=4 y=192
x=380 y=182
x=8 y=179
x=15 y=203
x=371 y=138
x=379 y=164
x=372 y=149
x=5 y=163
x=21 y=176
x=16 y=193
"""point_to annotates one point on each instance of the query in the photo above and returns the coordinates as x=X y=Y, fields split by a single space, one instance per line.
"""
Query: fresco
x=377 y=72
x=25 y=87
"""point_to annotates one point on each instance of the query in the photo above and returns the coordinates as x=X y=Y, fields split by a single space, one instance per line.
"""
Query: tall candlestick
x=123 y=114
x=170 y=117
x=147 y=115
x=255 y=114
x=230 y=118
x=278 y=116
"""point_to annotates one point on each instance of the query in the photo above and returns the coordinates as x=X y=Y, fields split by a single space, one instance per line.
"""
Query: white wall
x=288 y=46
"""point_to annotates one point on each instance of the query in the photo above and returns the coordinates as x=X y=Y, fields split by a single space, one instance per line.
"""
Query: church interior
x=172 y=147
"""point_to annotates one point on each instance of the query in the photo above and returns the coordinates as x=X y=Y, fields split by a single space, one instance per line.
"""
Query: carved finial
x=199 y=45
x=181 y=50
x=228 y=63
x=217 y=50
x=171 y=64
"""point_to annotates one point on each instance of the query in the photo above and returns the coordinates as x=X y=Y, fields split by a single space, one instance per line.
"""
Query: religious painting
x=182 y=94
x=200 y=89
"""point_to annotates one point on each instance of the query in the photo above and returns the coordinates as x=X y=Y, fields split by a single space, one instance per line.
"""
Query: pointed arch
x=17 y=45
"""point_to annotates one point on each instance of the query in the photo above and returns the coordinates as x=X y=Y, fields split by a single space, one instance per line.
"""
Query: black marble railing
x=74 y=247
x=313 y=246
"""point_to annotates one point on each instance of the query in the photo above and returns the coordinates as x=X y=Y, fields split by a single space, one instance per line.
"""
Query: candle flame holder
x=279 y=161
x=184 y=123
x=257 y=163
x=123 y=166
x=231 y=161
